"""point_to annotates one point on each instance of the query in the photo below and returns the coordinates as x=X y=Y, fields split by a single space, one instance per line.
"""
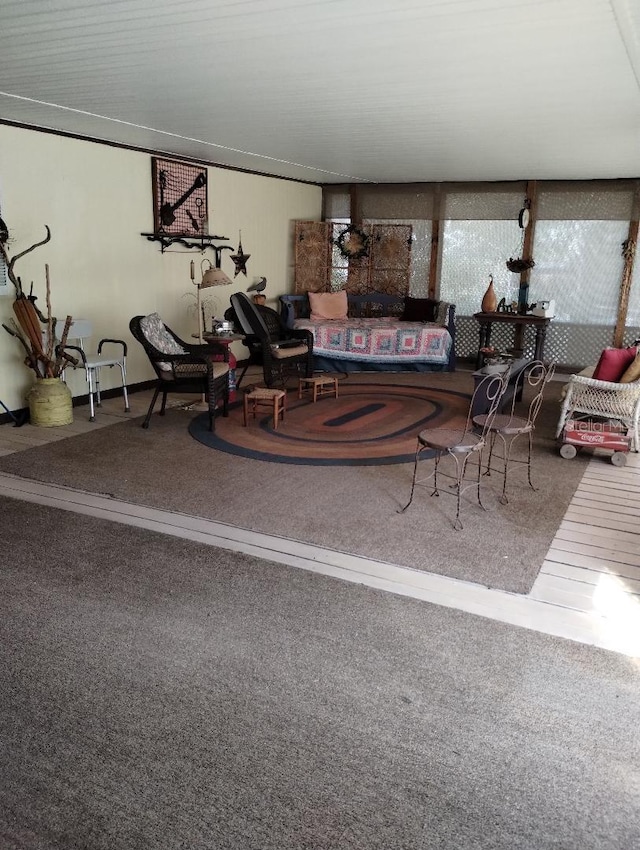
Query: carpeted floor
x=351 y=509
x=157 y=694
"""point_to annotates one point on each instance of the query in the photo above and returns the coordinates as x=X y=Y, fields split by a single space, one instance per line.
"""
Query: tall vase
x=50 y=403
x=489 y=299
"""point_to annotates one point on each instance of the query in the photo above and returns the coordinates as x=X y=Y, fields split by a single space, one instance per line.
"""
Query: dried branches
x=11 y=261
x=44 y=356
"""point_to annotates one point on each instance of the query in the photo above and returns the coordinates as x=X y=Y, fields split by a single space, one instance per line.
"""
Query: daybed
x=379 y=332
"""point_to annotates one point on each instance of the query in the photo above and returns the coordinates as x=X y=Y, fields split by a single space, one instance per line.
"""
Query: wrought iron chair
x=81 y=331
x=281 y=351
x=507 y=427
x=182 y=367
x=459 y=444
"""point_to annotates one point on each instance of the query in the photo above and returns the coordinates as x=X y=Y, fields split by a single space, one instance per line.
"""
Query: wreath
x=353 y=243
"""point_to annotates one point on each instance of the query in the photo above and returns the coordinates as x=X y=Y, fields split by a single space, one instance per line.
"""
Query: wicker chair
x=603 y=399
x=181 y=367
x=282 y=351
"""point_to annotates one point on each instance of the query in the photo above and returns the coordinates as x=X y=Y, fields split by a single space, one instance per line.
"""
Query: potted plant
x=494 y=360
x=519 y=265
x=50 y=401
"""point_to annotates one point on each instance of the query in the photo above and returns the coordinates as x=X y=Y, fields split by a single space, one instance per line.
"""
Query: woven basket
x=50 y=403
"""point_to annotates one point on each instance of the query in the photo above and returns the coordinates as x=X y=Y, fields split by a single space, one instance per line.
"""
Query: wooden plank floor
x=588 y=588
x=593 y=564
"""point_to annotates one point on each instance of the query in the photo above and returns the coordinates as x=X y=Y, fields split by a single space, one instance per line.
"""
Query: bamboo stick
x=61 y=357
x=49 y=322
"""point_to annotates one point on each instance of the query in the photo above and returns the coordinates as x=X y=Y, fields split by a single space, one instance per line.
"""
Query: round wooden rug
x=367 y=424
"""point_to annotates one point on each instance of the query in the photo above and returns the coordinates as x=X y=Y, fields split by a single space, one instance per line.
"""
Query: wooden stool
x=275 y=400
x=320 y=384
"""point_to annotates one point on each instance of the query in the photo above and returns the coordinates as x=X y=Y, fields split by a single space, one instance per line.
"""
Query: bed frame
x=372 y=305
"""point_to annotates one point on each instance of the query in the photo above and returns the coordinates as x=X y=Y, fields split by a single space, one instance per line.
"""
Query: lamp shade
x=214 y=277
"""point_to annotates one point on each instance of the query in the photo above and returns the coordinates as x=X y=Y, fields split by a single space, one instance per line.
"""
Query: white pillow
x=328 y=305
x=156 y=333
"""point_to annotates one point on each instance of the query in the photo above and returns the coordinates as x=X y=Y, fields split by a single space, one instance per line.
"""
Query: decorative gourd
x=489 y=299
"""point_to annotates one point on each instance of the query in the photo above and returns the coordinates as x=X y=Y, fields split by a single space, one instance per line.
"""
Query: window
x=579 y=266
x=471 y=251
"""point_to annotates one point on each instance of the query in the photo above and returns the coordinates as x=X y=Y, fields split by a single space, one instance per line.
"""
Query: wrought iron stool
x=274 y=400
x=320 y=385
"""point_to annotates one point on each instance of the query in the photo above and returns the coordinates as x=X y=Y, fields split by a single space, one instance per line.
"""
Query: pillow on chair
x=419 y=309
x=328 y=305
x=442 y=313
x=154 y=330
x=613 y=364
x=632 y=372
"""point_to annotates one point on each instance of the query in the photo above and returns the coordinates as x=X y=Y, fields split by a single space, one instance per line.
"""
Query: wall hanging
x=180 y=205
x=240 y=259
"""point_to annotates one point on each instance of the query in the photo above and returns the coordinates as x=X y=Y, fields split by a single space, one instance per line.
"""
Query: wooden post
x=629 y=253
x=527 y=244
x=435 y=245
x=527 y=249
x=356 y=212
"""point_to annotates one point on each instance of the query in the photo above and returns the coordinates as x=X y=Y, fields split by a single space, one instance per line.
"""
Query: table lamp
x=212 y=276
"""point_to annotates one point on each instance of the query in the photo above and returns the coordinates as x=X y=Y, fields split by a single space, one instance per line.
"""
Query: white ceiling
x=338 y=90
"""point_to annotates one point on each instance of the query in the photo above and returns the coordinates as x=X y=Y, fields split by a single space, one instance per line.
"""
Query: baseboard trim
x=21 y=414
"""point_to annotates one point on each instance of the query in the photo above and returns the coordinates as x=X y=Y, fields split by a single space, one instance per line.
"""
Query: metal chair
x=507 y=427
x=81 y=331
x=459 y=444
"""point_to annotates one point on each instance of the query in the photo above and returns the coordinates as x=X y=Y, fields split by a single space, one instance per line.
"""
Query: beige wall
x=97 y=201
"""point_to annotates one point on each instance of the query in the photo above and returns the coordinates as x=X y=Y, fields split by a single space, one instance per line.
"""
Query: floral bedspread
x=384 y=339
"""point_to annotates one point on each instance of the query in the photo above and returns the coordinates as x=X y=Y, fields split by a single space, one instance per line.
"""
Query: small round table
x=226 y=339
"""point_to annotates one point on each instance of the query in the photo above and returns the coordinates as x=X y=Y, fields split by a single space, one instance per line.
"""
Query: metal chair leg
x=435 y=491
x=97 y=382
x=92 y=413
x=529 y=461
x=123 y=372
x=413 y=482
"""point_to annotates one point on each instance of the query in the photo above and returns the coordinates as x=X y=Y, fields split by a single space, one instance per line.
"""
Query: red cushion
x=613 y=363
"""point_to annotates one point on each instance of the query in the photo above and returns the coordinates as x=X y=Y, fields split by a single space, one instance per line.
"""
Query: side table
x=520 y=321
x=226 y=340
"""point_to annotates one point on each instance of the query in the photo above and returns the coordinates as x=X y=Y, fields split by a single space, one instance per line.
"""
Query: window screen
x=471 y=251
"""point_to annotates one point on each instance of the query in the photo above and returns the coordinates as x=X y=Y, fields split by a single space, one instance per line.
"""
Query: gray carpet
x=352 y=509
x=158 y=694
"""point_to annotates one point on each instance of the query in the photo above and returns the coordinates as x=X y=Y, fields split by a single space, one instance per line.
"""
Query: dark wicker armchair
x=182 y=367
x=282 y=352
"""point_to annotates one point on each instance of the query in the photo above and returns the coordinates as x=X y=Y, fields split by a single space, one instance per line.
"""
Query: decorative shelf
x=197 y=243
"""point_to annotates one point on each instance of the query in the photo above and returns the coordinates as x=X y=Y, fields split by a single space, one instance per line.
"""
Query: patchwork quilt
x=384 y=338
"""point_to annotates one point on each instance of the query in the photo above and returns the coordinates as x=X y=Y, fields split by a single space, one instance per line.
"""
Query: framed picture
x=180 y=199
